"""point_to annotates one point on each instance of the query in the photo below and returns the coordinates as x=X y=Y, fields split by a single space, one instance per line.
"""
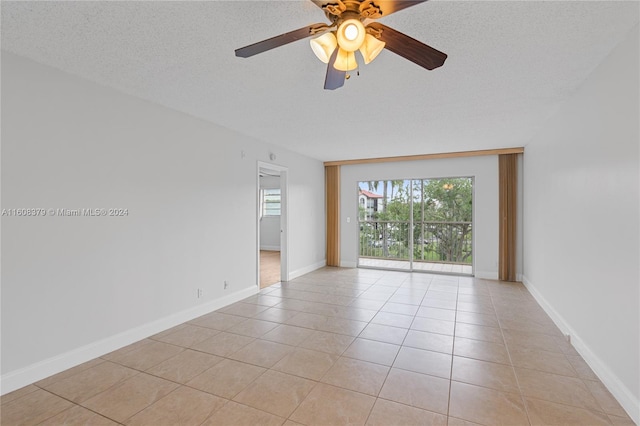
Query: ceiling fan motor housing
x=352 y=9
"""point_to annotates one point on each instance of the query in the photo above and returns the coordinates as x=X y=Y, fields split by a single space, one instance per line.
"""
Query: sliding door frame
x=410 y=232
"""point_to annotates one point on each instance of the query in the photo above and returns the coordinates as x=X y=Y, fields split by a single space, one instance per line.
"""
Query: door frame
x=284 y=218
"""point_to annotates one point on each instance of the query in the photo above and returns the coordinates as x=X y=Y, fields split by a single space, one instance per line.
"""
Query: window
x=271 y=202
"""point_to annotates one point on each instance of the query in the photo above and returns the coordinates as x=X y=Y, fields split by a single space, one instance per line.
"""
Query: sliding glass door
x=417 y=224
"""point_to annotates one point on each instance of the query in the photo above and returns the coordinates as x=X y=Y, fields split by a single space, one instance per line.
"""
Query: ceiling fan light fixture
x=345 y=61
x=351 y=34
x=324 y=46
x=371 y=48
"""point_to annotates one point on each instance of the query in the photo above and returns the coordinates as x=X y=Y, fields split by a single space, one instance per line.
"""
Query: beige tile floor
x=338 y=347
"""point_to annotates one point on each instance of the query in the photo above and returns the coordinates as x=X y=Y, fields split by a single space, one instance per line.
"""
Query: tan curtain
x=332 y=188
x=508 y=178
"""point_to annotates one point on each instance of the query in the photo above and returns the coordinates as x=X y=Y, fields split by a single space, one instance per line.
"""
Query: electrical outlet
x=199 y=293
x=226 y=284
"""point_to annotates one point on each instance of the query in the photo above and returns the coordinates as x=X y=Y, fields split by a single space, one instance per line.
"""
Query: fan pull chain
x=357 y=70
x=348 y=76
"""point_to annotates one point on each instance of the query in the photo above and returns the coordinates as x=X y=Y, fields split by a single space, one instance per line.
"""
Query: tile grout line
x=513 y=369
x=453 y=350
x=390 y=367
x=76 y=404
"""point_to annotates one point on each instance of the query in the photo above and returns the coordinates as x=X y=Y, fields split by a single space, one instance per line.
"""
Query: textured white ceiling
x=511 y=64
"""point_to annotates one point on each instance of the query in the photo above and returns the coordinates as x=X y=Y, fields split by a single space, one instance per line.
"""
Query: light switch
x=348 y=220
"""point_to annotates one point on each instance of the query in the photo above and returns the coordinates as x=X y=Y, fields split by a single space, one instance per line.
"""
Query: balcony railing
x=434 y=242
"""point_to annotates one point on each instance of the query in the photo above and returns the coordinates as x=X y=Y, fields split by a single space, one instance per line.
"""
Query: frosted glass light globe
x=350 y=35
x=351 y=32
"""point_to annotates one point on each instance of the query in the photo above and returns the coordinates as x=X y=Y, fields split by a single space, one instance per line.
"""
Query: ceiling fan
x=352 y=29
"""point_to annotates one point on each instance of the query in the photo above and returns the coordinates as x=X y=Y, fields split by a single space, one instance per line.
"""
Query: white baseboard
x=625 y=397
x=270 y=248
x=486 y=275
x=347 y=264
x=25 y=376
x=302 y=271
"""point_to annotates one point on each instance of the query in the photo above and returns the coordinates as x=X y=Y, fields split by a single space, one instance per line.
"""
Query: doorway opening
x=272 y=217
x=416 y=225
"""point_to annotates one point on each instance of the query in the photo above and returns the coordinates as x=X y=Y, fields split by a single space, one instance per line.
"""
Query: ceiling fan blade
x=410 y=48
x=334 y=77
x=387 y=7
x=277 y=41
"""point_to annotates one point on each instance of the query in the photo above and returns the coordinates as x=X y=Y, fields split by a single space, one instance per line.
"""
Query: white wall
x=270 y=225
x=581 y=214
x=485 y=227
x=74 y=288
